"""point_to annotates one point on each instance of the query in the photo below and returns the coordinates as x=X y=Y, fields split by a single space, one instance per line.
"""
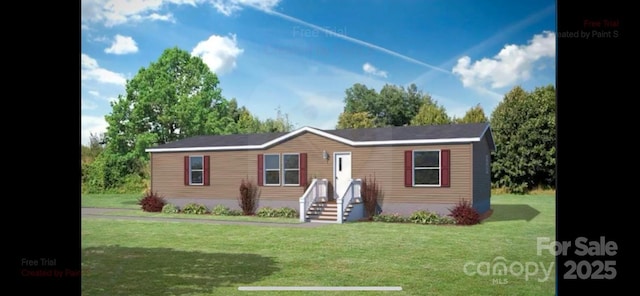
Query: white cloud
x=90 y=70
x=370 y=69
x=94 y=93
x=91 y=124
x=511 y=65
x=116 y=12
x=218 y=52
x=228 y=7
x=122 y=45
x=162 y=17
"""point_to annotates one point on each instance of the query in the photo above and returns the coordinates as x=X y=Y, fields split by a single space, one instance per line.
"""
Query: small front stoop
x=326 y=212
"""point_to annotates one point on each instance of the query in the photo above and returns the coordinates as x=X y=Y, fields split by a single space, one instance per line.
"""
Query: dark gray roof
x=427 y=132
x=396 y=133
x=222 y=140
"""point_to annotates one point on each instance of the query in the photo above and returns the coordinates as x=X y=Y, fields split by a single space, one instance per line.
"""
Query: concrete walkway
x=105 y=213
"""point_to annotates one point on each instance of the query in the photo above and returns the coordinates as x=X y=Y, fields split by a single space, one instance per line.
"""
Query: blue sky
x=302 y=55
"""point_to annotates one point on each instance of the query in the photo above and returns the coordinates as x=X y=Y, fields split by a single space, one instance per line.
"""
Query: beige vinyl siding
x=387 y=163
x=228 y=168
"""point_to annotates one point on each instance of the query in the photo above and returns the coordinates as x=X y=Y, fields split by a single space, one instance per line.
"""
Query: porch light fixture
x=325 y=155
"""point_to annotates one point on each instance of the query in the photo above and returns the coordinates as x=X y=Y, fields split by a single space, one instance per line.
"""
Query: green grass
x=140 y=213
x=118 y=201
x=162 y=258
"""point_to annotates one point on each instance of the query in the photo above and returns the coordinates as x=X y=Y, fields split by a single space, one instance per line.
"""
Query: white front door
x=341 y=172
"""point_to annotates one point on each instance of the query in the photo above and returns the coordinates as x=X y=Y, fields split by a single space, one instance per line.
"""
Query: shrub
x=279 y=212
x=370 y=191
x=447 y=220
x=465 y=214
x=248 y=198
x=267 y=212
x=287 y=213
x=194 y=208
x=424 y=217
x=151 y=202
x=170 y=209
x=392 y=218
x=234 y=213
x=220 y=210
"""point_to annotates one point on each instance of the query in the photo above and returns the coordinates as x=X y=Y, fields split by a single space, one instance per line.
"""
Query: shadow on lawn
x=116 y=270
x=512 y=212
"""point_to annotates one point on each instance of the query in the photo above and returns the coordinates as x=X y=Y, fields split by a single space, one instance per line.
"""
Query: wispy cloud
x=90 y=70
x=338 y=34
x=122 y=45
x=370 y=69
x=219 y=52
x=228 y=7
x=116 y=12
x=512 y=64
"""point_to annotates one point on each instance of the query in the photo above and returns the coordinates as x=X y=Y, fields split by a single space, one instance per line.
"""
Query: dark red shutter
x=205 y=172
x=186 y=170
x=408 y=168
x=260 y=170
x=303 y=169
x=446 y=168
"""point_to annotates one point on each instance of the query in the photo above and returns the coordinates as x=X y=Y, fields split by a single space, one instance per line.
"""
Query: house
x=319 y=172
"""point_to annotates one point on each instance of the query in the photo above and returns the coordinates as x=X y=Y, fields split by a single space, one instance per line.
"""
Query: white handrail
x=351 y=194
x=317 y=189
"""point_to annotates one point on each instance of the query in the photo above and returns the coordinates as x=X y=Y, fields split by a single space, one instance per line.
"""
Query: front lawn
x=163 y=258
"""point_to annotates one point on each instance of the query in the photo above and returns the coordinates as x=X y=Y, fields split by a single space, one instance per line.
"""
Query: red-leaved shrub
x=151 y=202
x=370 y=192
x=248 y=198
x=465 y=214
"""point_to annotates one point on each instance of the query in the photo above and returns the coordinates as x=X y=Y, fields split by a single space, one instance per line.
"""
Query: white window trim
x=192 y=170
x=265 y=170
x=285 y=169
x=413 y=168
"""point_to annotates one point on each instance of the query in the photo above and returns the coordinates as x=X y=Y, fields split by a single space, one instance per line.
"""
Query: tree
x=280 y=124
x=355 y=120
x=430 y=113
x=524 y=131
x=473 y=115
x=393 y=106
x=175 y=97
x=96 y=145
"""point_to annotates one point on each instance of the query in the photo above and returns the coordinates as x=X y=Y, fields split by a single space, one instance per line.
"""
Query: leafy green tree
x=524 y=131
x=473 y=115
x=431 y=113
x=393 y=106
x=355 y=120
x=175 y=97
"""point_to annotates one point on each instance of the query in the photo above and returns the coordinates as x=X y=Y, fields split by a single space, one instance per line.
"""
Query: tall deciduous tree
x=393 y=106
x=473 y=115
x=175 y=97
x=431 y=113
x=355 y=120
x=524 y=130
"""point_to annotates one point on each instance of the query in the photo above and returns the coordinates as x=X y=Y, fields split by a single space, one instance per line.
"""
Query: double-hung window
x=196 y=170
x=272 y=169
x=291 y=169
x=426 y=168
